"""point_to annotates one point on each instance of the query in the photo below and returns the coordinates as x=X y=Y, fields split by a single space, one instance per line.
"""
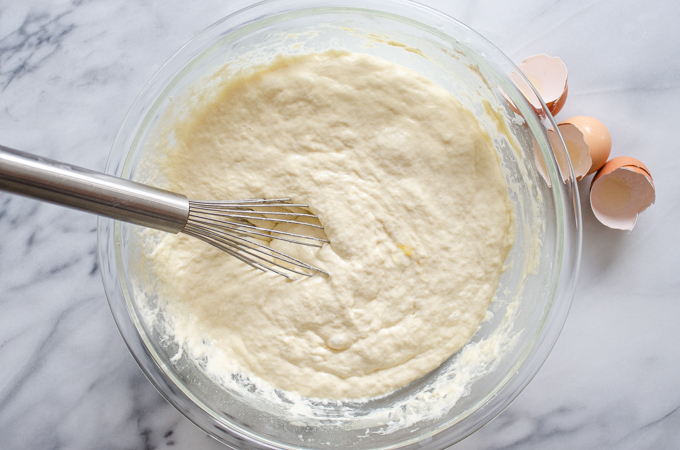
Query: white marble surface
x=69 y=70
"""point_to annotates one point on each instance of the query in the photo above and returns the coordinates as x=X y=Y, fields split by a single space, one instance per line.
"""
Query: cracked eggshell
x=560 y=156
x=526 y=90
x=548 y=75
x=578 y=149
x=621 y=190
x=596 y=137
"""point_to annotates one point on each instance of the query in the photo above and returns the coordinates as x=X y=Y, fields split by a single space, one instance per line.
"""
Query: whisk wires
x=244 y=229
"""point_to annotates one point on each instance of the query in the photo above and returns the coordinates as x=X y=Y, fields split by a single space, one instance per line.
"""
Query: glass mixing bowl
x=532 y=299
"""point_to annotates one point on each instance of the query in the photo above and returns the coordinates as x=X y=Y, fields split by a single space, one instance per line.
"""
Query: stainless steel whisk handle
x=66 y=185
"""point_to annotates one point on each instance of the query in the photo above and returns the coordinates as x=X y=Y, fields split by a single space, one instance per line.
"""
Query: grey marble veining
x=69 y=71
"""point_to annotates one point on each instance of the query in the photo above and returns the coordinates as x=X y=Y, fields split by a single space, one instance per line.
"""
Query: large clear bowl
x=535 y=292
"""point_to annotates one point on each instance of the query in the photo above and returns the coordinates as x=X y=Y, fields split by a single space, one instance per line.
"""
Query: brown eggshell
x=557 y=106
x=621 y=190
x=579 y=152
x=597 y=138
x=621 y=161
x=560 y=156
x=581 y=149
x=526 y=90
x=548 y=75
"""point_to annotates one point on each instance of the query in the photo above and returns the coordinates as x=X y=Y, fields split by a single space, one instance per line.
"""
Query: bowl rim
x=225 y=432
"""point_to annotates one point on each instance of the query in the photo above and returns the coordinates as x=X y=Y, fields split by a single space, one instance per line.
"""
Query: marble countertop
x=69 y=71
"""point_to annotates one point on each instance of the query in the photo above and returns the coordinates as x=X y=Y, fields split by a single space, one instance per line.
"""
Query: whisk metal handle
x=75 y=187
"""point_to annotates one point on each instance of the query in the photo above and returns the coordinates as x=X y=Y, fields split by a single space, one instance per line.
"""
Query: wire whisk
x=231 y=226
x=242 y=228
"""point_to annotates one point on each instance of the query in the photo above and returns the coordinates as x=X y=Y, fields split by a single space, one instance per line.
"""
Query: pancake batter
x=410 y=193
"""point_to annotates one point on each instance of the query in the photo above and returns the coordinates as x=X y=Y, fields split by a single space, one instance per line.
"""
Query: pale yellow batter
x=412 y=198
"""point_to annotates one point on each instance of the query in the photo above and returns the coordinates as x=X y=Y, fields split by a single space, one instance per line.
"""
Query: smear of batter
x=412 y=198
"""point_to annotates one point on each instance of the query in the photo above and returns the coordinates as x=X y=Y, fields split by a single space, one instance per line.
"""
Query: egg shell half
x=548 y=75
x=621 y=189
x=579 y=152
x=596 y=137
x=560 y=156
